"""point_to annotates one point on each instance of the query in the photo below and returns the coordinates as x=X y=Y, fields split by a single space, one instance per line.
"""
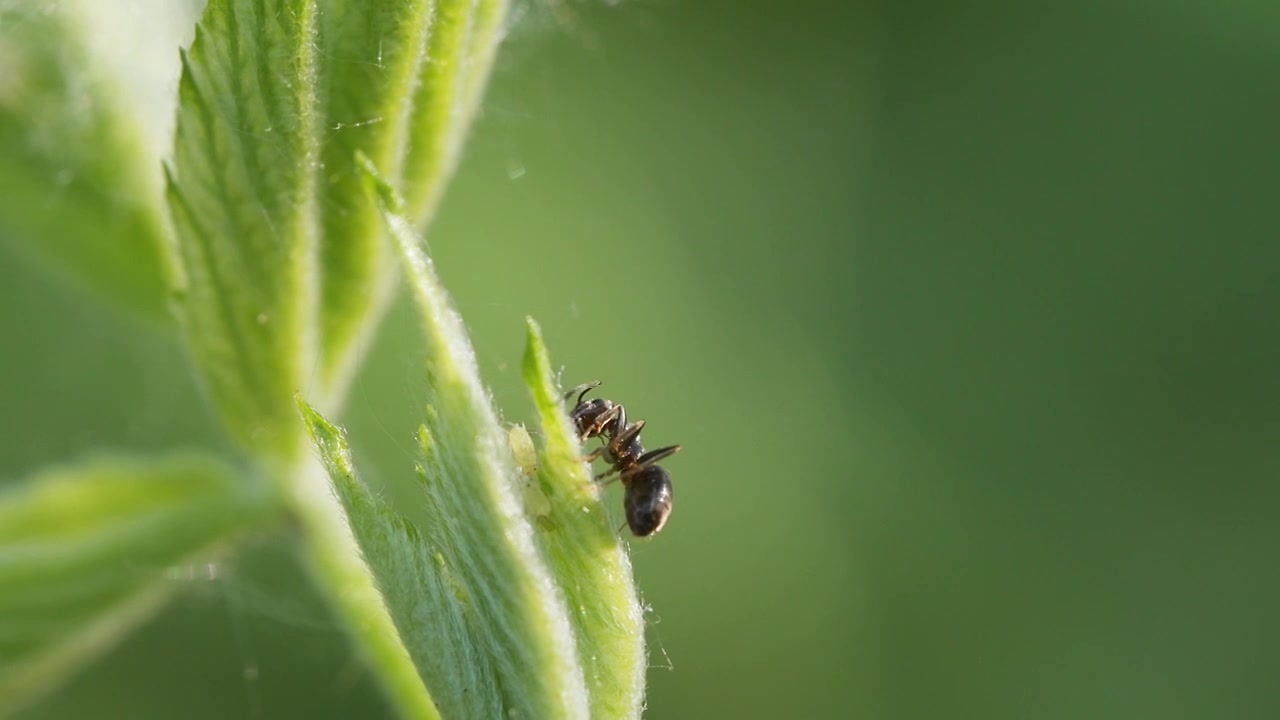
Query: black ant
x=648 y=495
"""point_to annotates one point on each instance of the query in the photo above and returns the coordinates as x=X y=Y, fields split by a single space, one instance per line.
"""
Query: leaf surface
x=84 y=550
x=86 y=113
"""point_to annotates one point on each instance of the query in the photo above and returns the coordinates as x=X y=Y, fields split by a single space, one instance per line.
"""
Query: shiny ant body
x=648 y=496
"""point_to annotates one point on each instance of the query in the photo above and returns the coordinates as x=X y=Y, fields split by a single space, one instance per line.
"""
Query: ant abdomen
x=648 y=500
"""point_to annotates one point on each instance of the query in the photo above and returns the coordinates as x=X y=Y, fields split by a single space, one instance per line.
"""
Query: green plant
x=271 y=242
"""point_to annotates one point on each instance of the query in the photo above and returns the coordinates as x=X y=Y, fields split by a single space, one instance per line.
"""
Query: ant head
x=586 y=413
x=648 y=500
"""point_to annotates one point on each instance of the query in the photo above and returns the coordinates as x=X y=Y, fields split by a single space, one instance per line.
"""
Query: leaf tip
x=537 y=365
x=184 y=54
x=329 y=438
x=534 y=334
x=309 y=414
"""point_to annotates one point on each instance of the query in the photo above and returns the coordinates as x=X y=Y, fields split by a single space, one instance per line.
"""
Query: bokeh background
x=966 y=316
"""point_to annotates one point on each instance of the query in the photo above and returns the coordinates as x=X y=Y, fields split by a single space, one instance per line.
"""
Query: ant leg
x=593 y=455
x=606 y=474
x=617 y=423
x=582 y=390
x=651 y=458
x=624 y=438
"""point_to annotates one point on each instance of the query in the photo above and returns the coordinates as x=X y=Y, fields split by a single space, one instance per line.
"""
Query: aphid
x=649 y=495
x=522 y=449
x=526 y=457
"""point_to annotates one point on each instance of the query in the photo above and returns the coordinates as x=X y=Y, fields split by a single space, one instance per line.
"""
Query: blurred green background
x=966 y=317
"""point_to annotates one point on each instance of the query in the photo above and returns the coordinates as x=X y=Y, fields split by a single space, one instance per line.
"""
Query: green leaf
x=286 y=260
x=402 y=80
x=472 y=598
x=373 y=53
x=83 y=553
x=487 y=635
x=86 y=103
x=584 y=550
x=243 y=201
x=349 y=546
x=460 y=54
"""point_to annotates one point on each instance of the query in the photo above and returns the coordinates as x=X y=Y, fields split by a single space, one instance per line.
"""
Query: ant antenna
x=582 y=390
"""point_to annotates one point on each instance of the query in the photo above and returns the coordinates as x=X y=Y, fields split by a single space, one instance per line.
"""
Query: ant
x=648 y=495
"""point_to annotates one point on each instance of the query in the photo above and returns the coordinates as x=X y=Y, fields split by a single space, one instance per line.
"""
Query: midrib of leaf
x=242 y=196
x=373 y=55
